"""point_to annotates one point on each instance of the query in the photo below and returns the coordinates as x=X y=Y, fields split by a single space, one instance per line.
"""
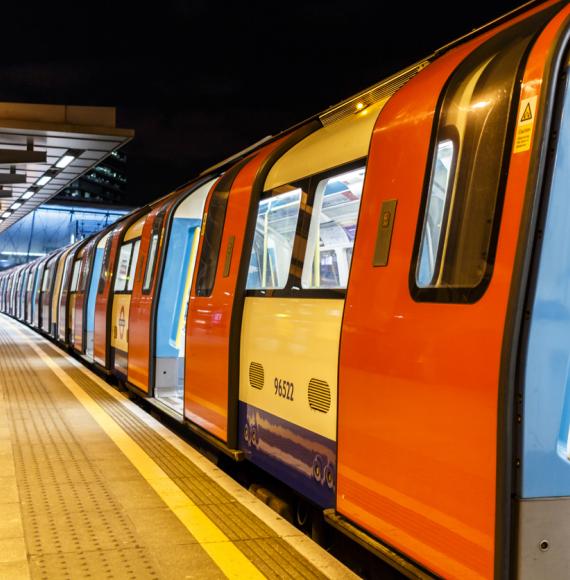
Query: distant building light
x=28 y=194
x=16 y=205
x=65 y=161
x=43 y=180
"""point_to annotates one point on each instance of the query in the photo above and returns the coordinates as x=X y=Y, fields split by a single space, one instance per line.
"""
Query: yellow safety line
x=232 y=562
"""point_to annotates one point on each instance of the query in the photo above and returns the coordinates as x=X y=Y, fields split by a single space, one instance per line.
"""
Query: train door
x=92 y=295
x=47 y=286
x=78 y=327
x=126 y=270
x=543 y=396
x=9 y=292
x=30 y=292
x=142 y=297
x=23 y=292
x=299 y=266
x=57 y=290
x=37 y=314
x=63 y=298
x=104 y=297
x=180 y=251
x=74 y=290
x=2 y=287
x=19 y=293
x=427 y=304
x=212 y=337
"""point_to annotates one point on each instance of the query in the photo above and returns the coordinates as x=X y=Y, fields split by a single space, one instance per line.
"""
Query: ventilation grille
x=379 y=91
x=256 y=375
x=319 y=396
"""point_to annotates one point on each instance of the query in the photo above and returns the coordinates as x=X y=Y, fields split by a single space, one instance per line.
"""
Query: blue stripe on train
x=303 y=460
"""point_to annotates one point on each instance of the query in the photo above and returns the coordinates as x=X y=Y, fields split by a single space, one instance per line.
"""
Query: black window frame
x=158 y=231
x=308 y=185
x=132 y=242
x=465 y=294
x=213 y=232
x=75 y=261
x=104 y=275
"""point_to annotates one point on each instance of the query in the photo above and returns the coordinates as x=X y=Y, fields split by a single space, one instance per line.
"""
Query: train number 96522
x=284 y=388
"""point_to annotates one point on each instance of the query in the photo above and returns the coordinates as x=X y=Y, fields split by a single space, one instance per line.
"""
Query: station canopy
x=44 y=148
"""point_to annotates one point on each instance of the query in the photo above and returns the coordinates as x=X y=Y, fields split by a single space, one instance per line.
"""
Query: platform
x=93 y=487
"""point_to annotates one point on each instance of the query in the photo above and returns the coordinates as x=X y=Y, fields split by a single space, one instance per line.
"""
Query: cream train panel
x=294 y=340
x=333 y=145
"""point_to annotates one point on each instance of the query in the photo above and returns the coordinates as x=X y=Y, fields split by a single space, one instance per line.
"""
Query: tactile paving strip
x=73 y=525
x=272 y=555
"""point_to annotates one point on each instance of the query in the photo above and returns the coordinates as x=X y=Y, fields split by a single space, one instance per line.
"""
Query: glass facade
x=105 y=184
x=50 y=227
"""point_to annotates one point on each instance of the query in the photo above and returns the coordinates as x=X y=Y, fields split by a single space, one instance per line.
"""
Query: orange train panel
x=209 y=317
x=415 y=467
x=141 y=303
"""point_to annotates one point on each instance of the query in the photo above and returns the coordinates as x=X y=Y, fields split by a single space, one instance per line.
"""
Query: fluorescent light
x=28 y=194
x=65 y=161
x=7 y=214
x=43 y=180
x=16 y=205
x=21 y=254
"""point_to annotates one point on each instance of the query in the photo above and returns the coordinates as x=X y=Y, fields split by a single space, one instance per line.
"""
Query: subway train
x=372 y=306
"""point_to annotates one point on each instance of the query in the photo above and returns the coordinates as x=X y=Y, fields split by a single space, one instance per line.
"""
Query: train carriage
x=48 y=283
x=37 y=292
x=120 y=297
x=103 y=322
x=372 y=306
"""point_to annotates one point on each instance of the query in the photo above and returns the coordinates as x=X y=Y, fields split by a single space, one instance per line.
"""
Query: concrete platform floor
x=93 y=487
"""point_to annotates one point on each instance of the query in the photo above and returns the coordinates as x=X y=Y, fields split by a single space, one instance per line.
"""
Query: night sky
x=199 y=80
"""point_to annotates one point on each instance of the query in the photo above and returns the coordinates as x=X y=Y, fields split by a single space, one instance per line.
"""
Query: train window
x=435 y=213
x=332 y=230
x=212 y=231
x=75 y=275
x=81 y=281
x=458 y=229
x=31 y=280
x=150 y=262
x=215 y=218
x=123 y=267
x=46 y=280
x=105 y=265
x=133 y=266
x=273 y=240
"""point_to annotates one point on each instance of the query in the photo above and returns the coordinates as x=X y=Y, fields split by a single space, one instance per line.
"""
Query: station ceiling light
x=73 y=140
x=65 y=160
x=43 y=180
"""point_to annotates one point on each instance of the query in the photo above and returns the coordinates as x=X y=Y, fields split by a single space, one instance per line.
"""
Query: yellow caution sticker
x=525 y=124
